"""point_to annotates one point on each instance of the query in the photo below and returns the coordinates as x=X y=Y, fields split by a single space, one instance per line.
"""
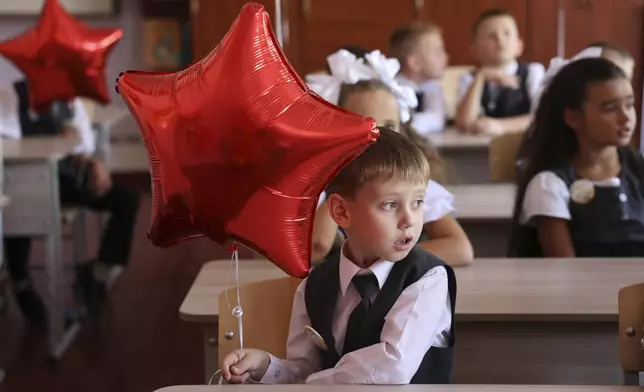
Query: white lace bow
x=557 y=63
x=346 y=68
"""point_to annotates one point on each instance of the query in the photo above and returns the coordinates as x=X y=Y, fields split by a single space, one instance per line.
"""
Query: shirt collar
x=512 y=68
x=418 y=87
x=348 y=270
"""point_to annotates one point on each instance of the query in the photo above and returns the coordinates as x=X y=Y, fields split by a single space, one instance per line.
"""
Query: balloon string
x=237 y=310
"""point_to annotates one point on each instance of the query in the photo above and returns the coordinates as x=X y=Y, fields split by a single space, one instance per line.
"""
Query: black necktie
x=420 y=96
x=367 y=286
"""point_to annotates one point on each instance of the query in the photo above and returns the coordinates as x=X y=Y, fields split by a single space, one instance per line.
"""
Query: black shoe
x=90 y=293
x=31 y=305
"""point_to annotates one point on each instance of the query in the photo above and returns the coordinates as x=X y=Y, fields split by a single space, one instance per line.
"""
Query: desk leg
x=59 y=337
x=210 y=350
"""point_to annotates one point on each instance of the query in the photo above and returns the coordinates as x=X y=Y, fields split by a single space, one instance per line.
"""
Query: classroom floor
x=139 y=345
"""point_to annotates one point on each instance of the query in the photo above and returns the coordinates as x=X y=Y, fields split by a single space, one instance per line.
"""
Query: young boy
x=497 y=97
x=382 y=306
x=420 y=50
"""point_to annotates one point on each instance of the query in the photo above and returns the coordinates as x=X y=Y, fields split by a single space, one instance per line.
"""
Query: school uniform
x=431 y=112
x=611 y=224
x=405 y=334
x=121 y=202
x=501 y=102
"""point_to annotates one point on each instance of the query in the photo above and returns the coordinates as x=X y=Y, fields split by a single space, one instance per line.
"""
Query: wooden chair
x=450 y=87
x=503 y=156
x=267 y=313
x=631 y=333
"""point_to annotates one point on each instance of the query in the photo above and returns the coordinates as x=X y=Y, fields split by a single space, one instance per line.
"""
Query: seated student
x=615 y=53
x=420 y=50
x=444 y=236
x=383 y=306
x=83 y=181
x=581 y=193
x=496 y=98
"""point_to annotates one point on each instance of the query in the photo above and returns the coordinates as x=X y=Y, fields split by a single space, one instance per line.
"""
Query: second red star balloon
x=240 y=148
x=62 y=58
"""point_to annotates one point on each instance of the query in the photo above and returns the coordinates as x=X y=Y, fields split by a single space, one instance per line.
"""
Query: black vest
x=323 y=288
x=509 y=102
x=611 y=224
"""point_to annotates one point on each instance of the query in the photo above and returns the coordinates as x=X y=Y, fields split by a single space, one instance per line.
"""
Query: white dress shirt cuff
x=275 y=372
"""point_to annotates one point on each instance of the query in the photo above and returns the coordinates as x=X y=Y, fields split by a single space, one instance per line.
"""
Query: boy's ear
x=338 y=210
x=573 y=118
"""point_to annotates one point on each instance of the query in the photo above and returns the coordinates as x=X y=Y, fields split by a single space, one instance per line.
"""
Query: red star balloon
x=62 y=58
x=239 y=147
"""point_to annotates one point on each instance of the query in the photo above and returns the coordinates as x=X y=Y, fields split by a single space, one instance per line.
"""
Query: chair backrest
x=450 y=87
x=267 y=314
x=631 y=327
x=503 y=156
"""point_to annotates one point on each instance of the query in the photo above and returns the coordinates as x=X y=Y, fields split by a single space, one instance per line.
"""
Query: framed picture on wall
x=162 y=44
x=74 y=7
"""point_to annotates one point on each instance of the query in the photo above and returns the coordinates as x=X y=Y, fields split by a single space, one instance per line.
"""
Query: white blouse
x=548 y=195
x=439 y=202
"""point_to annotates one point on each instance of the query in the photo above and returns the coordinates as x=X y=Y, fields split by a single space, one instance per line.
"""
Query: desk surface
x=455 y=140
x=128 y=157
x=489 y=290
x=38 y=148
x=407 y=388
x=483 y=202
x=110 y=114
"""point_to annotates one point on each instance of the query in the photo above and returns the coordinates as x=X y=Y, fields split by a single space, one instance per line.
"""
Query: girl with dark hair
x=580 y=192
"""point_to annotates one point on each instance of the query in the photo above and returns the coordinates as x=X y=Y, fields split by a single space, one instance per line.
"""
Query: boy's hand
x=500 y=77
x=239 y=365
x=488 y=126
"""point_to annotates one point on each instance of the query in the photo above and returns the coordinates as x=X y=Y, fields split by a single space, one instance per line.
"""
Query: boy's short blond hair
x=392 y=156
x=404 y=39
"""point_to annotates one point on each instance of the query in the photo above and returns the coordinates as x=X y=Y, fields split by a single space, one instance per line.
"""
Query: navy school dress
x=508 y=102
x=323 y=286
x=609 y=225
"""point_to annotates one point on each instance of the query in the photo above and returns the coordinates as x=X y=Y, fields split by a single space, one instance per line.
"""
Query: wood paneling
x=212 y=19
x=326 y=25
x=457 y=17
x=587 y=21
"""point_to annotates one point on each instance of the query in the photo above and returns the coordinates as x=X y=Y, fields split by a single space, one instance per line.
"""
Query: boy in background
x=419 y=48
x=497 y=97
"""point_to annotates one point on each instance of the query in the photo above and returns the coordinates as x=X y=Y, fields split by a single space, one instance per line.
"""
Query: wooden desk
x=31 y=180
x=485 y=212
x=519 y=321
x=467 y=155
x=407 y=388
x=128 y=157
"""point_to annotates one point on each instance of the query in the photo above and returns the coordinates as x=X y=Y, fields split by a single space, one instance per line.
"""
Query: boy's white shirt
x=10 y=121
x=536 y=73
x=419 y=319
x=432 y=116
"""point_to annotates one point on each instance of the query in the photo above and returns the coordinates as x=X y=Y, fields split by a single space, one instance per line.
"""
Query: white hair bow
x=345 y=68
x=386 y=70
x=557 y=63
